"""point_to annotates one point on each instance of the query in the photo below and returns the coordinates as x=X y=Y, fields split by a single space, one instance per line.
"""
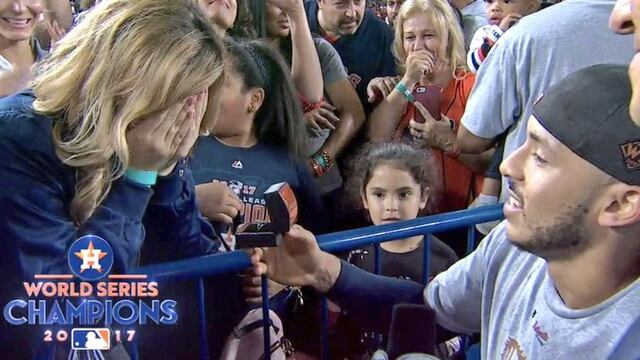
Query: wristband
x=142 y=177
x=406 y=92
x=310 y=106
x=320 y=160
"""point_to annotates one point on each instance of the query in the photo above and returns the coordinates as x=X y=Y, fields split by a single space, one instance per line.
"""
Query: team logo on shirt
x=542 y=336
x=237 y=165
x=631 y=154
x=513 y=350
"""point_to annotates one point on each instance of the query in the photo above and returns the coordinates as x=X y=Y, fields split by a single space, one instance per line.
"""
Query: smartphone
x=430 y=97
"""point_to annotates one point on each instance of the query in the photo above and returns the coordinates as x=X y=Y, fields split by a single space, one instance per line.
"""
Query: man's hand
x=218 y=203
x=297 y=261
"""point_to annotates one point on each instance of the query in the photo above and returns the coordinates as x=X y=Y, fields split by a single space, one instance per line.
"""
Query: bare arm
x=386 y=116
x=468 y=143
x=305 y=65
x=477 y=162
x=351 y=114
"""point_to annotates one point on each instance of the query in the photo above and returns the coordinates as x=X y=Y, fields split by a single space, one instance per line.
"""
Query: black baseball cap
x=588 y=111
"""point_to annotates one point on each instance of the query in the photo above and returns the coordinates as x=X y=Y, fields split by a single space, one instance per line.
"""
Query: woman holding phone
x=426 y=104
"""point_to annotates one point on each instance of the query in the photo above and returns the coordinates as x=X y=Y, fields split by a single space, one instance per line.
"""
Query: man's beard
x=566 y=237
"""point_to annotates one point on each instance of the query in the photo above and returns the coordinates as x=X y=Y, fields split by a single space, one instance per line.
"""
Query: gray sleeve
x=330 y=62
x=456 y=295
x=502 y=82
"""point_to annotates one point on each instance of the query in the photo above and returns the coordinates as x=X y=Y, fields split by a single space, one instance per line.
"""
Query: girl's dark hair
x=278 y=122
x=417 y=162
x=243 y=26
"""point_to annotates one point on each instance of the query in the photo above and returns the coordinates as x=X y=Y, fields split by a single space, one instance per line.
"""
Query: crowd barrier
x=237 y=261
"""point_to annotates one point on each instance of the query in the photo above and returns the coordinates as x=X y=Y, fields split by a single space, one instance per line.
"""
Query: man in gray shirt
x=559 y=279
x=536 y=53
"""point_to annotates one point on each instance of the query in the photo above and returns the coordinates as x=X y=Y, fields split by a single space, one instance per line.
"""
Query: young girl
x=430 y=50
x=258 y=140
x=392 y=182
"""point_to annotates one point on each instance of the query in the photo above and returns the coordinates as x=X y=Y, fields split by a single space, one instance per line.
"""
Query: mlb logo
x=91 y=339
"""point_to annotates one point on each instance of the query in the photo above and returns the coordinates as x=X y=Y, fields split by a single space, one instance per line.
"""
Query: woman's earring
x=251 y=109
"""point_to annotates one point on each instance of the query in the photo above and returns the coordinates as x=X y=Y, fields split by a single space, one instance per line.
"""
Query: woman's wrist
x=409 y=82
x=321 y=162
x=406 y=91
x=142 y=177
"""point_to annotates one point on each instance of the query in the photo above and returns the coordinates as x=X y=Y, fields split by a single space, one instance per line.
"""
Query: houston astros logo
x=90 y=258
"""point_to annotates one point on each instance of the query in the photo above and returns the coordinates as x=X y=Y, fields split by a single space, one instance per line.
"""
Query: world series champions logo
x=92 y=298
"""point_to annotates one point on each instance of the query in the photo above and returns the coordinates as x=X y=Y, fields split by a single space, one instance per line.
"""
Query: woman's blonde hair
x=126 y=60
x=446 y=26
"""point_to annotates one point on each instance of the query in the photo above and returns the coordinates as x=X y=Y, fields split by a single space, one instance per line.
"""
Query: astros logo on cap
x=631 y=154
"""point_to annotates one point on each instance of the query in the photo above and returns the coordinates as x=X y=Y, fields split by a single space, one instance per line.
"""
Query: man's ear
x=622 y=206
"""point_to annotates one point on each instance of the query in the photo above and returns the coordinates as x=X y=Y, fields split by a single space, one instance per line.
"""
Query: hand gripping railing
x=340 y=241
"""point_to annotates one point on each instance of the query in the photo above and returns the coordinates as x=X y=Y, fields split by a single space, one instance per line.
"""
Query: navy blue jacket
x=36 y=189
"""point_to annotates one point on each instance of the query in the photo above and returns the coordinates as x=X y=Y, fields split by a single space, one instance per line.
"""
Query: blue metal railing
x=336 y=242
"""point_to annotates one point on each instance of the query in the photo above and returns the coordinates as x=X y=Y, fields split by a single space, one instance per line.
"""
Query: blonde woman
x=99 y=141
x=429 y=50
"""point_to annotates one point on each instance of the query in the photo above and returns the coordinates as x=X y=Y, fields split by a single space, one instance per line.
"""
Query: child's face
x=392 y=195
x=233 y=115
x=496 y=10
x=18 y=18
